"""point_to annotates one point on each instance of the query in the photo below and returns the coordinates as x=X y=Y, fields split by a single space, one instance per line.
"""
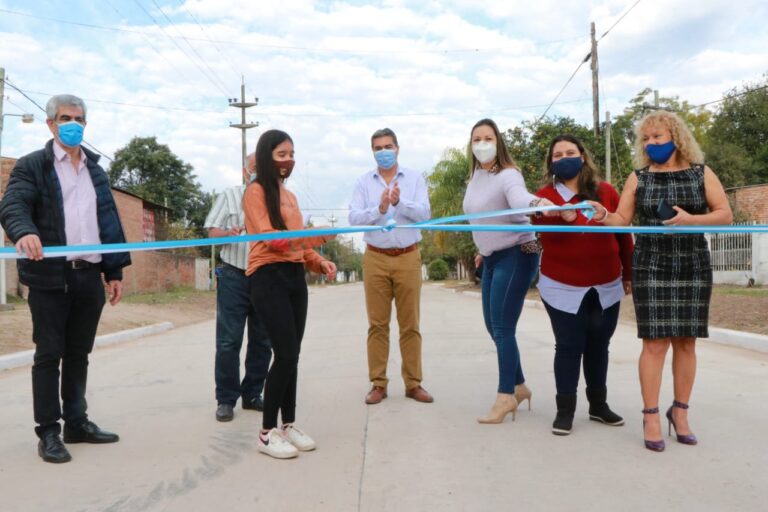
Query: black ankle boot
x=566 y=407
x=599 y=410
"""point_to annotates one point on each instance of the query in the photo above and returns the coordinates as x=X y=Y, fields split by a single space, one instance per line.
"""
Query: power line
x=44 y=111
x=588 y=57
x=193 y=61
x=202 y=59
x=16 y=105
x=728 y=97
x=289 y=47
x=325 y=114
x=618 y=20
x=202 y=29
x=135 y=105
x=149 y=41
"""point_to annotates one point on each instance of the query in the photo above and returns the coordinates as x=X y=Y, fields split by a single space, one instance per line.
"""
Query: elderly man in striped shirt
x=233 y=309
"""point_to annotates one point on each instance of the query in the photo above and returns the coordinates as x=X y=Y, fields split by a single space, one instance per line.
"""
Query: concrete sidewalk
x=157 y=393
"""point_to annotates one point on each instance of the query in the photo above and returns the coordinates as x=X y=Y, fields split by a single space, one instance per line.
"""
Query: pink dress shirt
x=80 y=222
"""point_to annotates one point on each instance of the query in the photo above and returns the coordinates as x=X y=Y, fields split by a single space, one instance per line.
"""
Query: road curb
x=740 y=339
x=25 y=357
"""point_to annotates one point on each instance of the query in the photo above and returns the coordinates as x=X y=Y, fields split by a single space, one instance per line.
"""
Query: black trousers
x=583 y=338
x=279 y=294
x=64 y=328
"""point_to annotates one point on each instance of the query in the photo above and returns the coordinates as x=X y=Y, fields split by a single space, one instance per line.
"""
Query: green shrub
x=438 y=270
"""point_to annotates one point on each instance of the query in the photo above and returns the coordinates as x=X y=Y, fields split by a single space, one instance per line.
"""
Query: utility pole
x=242 y=125
x=595 y=91
x=608 y=147
x=656 y=98
x=333 y=220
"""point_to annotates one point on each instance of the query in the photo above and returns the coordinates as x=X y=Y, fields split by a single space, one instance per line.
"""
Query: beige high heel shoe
x=505 y=404
x=523 y=392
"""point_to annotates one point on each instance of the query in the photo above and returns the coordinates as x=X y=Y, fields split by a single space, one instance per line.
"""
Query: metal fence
x=731 y=251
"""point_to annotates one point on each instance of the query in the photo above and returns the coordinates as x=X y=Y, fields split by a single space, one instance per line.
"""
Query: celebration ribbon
x=439 y=224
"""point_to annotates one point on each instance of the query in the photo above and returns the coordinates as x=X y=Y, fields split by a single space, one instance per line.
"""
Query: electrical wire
x=326 y=114
x=229 y=62
x=176 y=43
x=291 y=47
x=202 y=59
x=154 y=48
x=618 y=20
x=589 y=56
x=44 y=111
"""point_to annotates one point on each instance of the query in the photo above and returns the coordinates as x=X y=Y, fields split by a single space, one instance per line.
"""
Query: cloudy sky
x=332 y=72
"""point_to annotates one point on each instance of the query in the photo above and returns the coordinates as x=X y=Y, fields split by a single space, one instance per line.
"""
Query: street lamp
x=25 y=118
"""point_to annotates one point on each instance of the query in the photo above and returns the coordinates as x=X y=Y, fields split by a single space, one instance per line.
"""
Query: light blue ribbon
x=440 y=224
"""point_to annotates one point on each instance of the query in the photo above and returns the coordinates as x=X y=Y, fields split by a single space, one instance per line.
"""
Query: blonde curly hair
x=687 y=147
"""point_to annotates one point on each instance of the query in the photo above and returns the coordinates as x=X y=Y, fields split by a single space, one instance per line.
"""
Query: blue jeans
x=583 y=338
x=233 y=309
x=507 y=275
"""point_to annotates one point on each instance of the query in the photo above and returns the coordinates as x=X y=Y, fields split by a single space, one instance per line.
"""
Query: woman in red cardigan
x=583 y=278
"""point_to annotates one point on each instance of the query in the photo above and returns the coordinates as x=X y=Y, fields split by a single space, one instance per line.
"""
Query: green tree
x=529 y=142
x=698 y=119
x=152 y=171
x=737 y=143
x=447 y=186
x=342 y=252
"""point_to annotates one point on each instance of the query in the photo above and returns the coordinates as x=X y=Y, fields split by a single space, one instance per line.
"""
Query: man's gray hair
x=384 y=132
x=63 y=100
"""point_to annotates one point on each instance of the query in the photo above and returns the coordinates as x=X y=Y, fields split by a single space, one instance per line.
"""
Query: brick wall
x=751 y=202
x=151 y=271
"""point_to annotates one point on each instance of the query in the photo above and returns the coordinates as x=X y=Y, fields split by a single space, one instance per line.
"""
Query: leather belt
x=395 y=251
x=82 y=265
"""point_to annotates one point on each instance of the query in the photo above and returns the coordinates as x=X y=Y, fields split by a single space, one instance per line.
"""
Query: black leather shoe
x=51 y=449
x=256 y=403
x=225 y=412
x=88 y=432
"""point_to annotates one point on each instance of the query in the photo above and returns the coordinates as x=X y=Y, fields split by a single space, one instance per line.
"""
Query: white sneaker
x=276 y=445
x=298 y=438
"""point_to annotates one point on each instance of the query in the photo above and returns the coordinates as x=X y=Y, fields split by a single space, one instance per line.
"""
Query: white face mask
x=484 y=151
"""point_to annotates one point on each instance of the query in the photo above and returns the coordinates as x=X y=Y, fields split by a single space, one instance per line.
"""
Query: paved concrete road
x=157 y=393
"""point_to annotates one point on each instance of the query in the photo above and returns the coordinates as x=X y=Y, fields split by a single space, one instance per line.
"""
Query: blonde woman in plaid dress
x=672 y=275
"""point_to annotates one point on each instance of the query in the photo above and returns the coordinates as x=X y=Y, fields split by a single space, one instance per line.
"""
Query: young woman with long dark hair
x=278 y=288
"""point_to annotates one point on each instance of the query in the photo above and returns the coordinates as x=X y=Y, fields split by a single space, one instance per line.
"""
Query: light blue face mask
x=71 y=133
x=385 y=158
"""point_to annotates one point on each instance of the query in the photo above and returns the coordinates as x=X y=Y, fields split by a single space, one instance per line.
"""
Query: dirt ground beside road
x=741 y=309
x=180 y=307
x=732 y=307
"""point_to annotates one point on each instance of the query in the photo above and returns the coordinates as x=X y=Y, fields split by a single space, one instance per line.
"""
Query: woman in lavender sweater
x=510 y=260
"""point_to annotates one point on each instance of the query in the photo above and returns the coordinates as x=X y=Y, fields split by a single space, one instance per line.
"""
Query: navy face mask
x=660 y=153
x=567 y=168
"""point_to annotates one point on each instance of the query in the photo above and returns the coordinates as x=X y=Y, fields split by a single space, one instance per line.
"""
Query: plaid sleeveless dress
x=671 y=274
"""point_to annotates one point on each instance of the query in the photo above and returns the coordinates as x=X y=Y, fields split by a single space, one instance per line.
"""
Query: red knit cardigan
x=584 y=259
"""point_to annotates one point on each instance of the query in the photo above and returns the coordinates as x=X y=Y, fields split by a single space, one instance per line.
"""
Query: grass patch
x=15 y=299
x=168 y=297
x=757 y=291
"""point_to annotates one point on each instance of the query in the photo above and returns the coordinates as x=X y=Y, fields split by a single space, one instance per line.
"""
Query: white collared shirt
x=412 y=207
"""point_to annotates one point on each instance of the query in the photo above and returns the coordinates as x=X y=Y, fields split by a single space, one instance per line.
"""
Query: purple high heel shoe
x=655 y=446
x=684 y=439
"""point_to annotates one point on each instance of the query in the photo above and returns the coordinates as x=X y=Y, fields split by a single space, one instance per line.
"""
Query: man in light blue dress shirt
x=392 y=263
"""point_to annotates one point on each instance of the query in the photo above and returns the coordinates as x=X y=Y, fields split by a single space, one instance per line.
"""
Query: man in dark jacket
x=61 y=196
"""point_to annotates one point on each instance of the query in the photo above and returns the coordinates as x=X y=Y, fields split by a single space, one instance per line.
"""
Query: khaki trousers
x=399 y=278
